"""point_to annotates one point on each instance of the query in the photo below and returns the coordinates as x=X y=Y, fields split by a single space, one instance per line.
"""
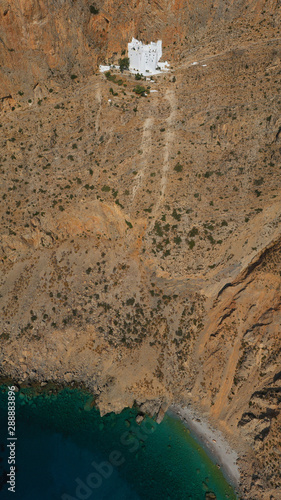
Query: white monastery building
x=144 y=59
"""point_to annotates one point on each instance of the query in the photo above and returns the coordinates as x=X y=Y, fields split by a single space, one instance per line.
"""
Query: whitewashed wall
x=144 y=58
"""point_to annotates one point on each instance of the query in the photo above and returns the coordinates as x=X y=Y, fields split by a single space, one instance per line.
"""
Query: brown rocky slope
x=140 y=243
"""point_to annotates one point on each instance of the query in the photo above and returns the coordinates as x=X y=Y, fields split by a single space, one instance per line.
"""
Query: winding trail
x=169 y=138
x=245 y=46
x=146 y=144
x=98 y=97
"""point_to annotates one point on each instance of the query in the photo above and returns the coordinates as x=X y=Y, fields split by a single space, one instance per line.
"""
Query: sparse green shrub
x=194 y=231
x=109 y=76
x=177 y=240
x=176 y=215
x=124 y=63
x=258 y=182
x=208 y=174
x=211 y=239
x=139 y=90
x=178 y=167
x=158 y=229
x=130 y=302
x=112 y=92
x=94 y=10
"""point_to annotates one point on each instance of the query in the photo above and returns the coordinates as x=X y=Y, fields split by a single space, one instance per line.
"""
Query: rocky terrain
x=141 y=235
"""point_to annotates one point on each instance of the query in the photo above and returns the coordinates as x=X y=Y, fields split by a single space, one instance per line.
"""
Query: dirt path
x=222 y=53
x=169 y=138
x=146 y=148
x=98 y=98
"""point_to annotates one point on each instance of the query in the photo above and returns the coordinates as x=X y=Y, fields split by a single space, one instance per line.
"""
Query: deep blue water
x=66 y=451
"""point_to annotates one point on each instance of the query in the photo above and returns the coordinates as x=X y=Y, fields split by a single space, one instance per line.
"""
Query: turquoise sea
x=66 y=451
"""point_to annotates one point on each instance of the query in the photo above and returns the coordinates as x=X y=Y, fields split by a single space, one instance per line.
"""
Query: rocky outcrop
x=241 y=359
x=50 y=39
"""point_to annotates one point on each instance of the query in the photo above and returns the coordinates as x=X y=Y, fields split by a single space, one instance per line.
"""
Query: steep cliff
x=53 y=38
x=140 y=242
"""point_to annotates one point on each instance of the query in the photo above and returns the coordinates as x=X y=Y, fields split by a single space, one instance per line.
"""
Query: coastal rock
x=209 y=495
x=139 y=419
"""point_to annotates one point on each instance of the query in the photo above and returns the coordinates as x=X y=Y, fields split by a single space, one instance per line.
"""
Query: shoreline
x=211 y=440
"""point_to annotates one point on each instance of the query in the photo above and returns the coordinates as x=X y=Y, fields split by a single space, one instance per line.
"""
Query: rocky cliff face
x=140 y=243
x=50 y=38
